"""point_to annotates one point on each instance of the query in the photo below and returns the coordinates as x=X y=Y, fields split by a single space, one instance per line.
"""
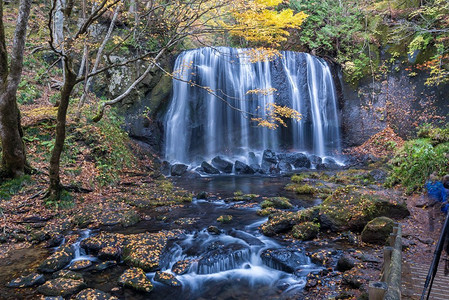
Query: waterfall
x=200 y=125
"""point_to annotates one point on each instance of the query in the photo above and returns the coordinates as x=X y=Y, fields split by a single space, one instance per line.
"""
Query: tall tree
x=14 y=158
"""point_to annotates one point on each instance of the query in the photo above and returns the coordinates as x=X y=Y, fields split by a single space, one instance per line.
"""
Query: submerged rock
x=284 y=259
x=167 y=278
x=61 y=287
x=58 y=260
x=135 y=278
x=222 y=258
x=222 y=164
x=207 y=168
x=248 y=238
x=27 y=281
x=178 y=169
x=378 y=230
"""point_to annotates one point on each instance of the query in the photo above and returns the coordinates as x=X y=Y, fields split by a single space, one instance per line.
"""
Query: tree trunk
x=14 y=159
x=69 y=83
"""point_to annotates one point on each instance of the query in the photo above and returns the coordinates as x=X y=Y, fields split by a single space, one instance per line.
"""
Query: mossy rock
x=349 y=208
x=276 y=202
x=306 y=231
x=378 y=230
x=135 y=278
x=284 y=221
x=267 y=211
x=302 y=189
x=144 y=250
x=224 y=219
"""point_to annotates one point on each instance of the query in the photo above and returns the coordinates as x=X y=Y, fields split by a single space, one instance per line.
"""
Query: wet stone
x=135 y=278
x=181 y=267
x=167 y=278
x=284 y=259
x=27 y=281
x=80 y=265
x=91 y=294
x=110 y=253
x=105 y=265
x=345 y=263
x=58 y=260
x=61 y=287
x=213 y=229
x=68 y=274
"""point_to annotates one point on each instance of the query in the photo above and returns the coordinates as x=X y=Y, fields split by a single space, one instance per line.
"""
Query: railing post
x=377 y=290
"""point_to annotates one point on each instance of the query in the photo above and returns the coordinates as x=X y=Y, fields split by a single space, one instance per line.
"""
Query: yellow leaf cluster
x=277 y=115
x=261 y=22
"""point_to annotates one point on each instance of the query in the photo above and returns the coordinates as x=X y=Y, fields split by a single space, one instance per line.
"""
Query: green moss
x=304 y=189
x=306 y=231
x=224 y=219
x=277 y=202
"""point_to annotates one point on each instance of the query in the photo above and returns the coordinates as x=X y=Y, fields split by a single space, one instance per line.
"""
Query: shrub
x=415 y=161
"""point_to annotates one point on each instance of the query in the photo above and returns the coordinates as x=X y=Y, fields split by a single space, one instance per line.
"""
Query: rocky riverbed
x=308 y=237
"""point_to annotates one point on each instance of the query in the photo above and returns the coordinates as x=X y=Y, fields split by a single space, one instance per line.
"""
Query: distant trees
x=13 y=152
x=149 y=30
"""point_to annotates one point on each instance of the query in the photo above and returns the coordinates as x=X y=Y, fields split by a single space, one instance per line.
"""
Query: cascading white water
x=199 y=125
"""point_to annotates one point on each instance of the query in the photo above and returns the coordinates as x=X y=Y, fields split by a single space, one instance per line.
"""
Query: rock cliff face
x=397 y=99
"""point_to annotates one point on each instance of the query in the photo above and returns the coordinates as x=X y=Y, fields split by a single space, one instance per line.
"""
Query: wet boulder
x=345 y=263
x=222 y=164
x=103 y=240
x=285 y=166
x=269 y=156
x=242 y=168
x=68 y=275
x=58 y=260
x=178 y=169
x=167 y=279
x=80 y=265
x=61 y=287
x=105 y=265
x=94 y=295
x=284 y=259
x=284 y=221
x=315 y=159
x=299 y=160
x=136 y=279
x=208 y=169
x=328 y=163
x=165 y=168
x=182 y=266
x=144 y=250
x=377 y=230
x=248 y=238
x=27 y=281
